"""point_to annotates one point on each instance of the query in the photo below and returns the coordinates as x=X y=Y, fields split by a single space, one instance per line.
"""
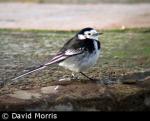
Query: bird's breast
x=81 y=62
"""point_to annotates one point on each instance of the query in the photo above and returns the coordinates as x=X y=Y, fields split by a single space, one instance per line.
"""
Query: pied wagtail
x=78 y=54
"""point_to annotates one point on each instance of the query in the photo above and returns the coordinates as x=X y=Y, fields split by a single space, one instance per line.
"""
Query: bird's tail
x=55 y=59
x=37 y=69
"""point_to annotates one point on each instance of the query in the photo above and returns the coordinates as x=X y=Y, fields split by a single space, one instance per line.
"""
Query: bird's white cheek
x=80 y=36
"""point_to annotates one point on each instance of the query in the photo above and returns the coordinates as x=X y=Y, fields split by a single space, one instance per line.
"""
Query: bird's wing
x=64 y=55
x=71 y=48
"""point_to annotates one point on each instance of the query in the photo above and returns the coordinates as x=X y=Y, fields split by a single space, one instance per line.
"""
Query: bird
x=77 y=55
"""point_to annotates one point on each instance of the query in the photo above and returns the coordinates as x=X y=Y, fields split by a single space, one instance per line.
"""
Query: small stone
x=49 y=89
x=65 y=79
x=123 y=27
x=56 y=87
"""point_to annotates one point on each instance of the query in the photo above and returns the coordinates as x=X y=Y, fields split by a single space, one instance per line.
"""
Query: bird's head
x=88 y=33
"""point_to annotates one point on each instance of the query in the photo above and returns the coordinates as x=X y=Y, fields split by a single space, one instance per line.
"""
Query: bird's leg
x=66 y=78
x=74 y=77
x=87 y=76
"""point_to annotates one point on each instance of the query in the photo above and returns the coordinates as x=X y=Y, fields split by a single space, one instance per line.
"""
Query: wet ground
x=125 y=58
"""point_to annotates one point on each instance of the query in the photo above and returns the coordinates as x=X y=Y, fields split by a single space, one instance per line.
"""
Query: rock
x=25 y=95
x=49 y=89
x=80 y=96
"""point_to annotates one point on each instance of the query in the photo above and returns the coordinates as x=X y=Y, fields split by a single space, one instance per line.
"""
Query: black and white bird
x=78 y=54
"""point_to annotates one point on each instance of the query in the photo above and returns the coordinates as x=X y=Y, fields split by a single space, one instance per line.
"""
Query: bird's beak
x=98 y=33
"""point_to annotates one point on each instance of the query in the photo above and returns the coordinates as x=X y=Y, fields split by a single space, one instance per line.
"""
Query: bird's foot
x=65 y=79
x=74 y=77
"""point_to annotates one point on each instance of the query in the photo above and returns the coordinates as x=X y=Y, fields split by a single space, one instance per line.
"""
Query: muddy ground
x=122 y=72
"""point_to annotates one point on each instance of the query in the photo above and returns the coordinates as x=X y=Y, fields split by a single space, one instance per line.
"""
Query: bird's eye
x=89 y=33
